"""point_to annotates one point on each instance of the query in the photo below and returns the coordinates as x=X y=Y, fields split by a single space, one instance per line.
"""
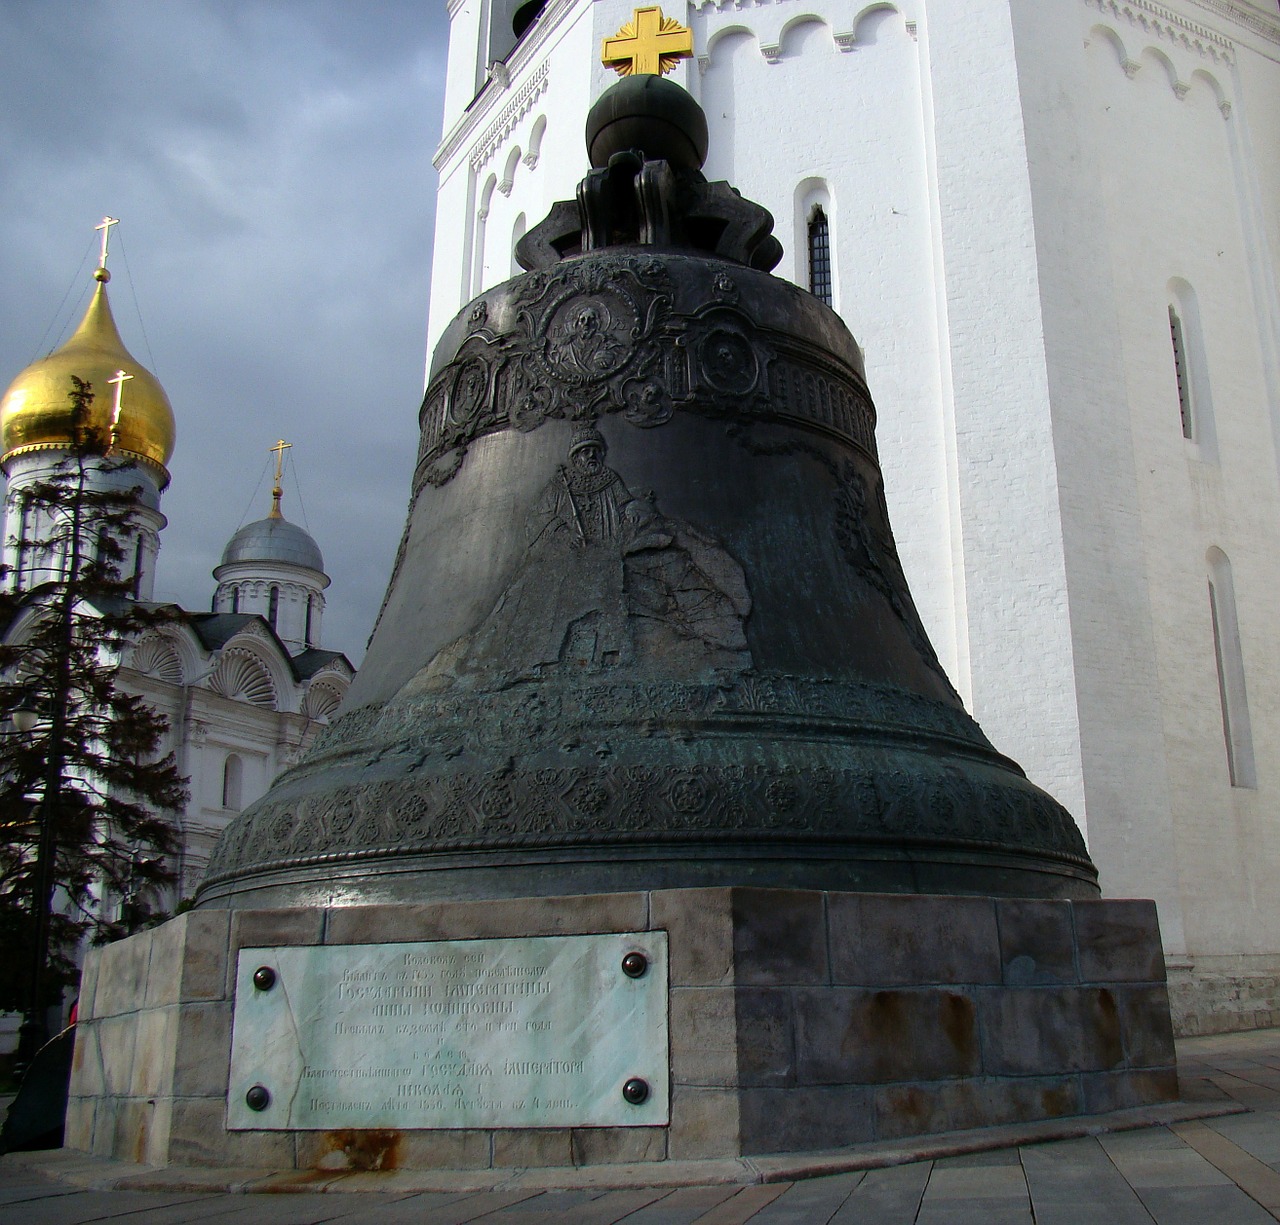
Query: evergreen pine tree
x=86 y=805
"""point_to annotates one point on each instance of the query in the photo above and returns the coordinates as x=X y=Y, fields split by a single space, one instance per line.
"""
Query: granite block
x=1103 y=1091
x=500 y=918
x=703 y=1029
x=851 y=1035
x=888 y=940
x=465 y=1149
x=765 y=1026
x=115 y=1043
x=400 y=924
x=367 y=1149
x=534 y=1147
x=142 y=1131
x=779 y=937
x=919 y=1109
x=104 y=1126
x=164 y=966
x=1049 y=1030
x=154 y=1039
x=87 y=1077
x=122 y=975
x=88 y=985
x=204 y=961
x=700 y=924
x=198 y=1136
x=1118 y=941
x=813 y=1117
x=1145 y=1026
x=583 y=914
x=617 y=1145
x=704 y=1123
x=77 y=1131
x=202 y=1055
x=1037 y=942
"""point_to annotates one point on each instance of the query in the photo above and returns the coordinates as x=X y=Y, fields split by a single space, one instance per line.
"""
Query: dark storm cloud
x=270 y=163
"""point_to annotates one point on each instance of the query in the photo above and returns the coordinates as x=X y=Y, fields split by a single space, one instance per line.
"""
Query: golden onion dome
x=36 y=412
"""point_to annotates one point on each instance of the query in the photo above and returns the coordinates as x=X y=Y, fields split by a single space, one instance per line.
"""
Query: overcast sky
x=270 y=161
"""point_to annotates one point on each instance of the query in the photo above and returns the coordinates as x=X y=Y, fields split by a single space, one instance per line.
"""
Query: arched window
x=820 y=255
x=232 y=778
x=235 y=599
x=273 y=606
x=1181 y=373
x=24 y=527
x=1191 y=369
x=306 y=634
x=1232 y=694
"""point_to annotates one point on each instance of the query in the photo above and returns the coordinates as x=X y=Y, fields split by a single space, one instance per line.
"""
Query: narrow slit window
x=232 y=777
x=137 y=568
x=1237 y=732
x=273 y=606
x=820 y=255
x=1182 y=373
x=306 y=637
x=235 y=599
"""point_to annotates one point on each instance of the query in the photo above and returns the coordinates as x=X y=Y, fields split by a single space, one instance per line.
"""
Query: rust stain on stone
x=1057 y=1101
x=958 y=1022
x=365 y=1150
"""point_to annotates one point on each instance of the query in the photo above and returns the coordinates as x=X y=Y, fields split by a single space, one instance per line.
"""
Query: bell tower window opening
x=820 y=255
x=1181 y=373
x=273 y=607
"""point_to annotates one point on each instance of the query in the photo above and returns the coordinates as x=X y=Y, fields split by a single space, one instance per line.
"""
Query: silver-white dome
x=275 y=540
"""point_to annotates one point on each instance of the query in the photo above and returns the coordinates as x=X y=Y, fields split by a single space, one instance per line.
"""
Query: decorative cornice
x=1165 y=24
x=509 y=116
x=501 y=74
x=1258 y=23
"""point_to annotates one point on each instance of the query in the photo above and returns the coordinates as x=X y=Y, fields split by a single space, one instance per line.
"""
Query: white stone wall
x=246 y=587
x=1018 y=191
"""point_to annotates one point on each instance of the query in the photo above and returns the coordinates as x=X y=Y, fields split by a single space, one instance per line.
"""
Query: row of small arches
x=1159 y=59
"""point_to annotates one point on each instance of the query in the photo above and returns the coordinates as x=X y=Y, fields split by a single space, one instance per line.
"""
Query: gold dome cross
x=649 y=43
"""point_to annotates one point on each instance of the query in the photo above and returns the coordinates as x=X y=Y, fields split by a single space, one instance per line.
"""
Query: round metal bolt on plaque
x=634 y=1091
x=634 y=965
x=259 y=1099
x=264 y=978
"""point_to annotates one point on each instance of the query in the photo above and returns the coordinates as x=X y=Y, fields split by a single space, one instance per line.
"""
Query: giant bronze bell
x=647 y=626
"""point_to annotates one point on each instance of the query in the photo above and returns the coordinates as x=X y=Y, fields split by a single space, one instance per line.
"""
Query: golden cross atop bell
x=648 y=43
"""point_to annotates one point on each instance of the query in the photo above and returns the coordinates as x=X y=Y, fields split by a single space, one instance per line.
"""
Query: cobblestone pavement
x=1221 y=1170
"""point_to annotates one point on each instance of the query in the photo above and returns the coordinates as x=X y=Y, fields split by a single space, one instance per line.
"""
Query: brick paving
x=1220 y=1170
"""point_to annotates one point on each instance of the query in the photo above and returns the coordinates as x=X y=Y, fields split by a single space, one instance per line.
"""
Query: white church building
x=1053 y=225
x=244 y=687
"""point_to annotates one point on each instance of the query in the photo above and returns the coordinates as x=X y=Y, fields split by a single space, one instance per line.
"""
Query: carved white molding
x=1267 y=27
x=511 y=114
x=771 y=52
x=1168 y=26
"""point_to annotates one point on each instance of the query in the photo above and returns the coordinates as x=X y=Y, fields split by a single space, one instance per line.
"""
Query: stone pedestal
x=799 y=1020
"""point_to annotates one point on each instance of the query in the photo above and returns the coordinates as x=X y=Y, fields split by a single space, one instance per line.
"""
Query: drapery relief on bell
x=647 y=625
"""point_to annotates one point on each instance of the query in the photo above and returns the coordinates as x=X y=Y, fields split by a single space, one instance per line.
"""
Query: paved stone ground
x=1222 y=1170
